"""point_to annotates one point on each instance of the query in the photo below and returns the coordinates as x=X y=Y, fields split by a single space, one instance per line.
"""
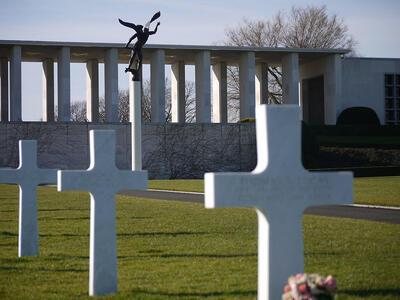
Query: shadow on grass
x=173 y=234
x=63 y=219
x=395 y=293
x=205 y=255
x=188 y=255
x=64 y=209
x=40 y=269
x=233 y=294
x=8 y=233
x=321 y=253
x=63 y=234
x=62 y=257
x=9 y=245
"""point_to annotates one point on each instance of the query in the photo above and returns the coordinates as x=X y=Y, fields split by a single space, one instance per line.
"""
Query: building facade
x=322 y=81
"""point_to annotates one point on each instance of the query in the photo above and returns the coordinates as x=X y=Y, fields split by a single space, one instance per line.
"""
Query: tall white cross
x=103 y=180
x=28 y=176
x=279 y=189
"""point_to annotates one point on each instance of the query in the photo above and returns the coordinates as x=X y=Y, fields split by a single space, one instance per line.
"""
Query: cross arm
x=9 y=176
x=228 y=190
x=47 y=176
x=74 y=180
x=331 y=188
x=132 y=180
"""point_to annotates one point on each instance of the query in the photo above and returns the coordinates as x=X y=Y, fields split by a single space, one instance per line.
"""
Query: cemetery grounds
x=179 y=250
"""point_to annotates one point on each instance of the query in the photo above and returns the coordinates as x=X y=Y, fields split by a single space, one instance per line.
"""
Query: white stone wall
x=363 y=83
x=169 y=151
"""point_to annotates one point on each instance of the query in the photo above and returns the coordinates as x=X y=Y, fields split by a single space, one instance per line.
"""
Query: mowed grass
x=176 y=250
x=369 y=190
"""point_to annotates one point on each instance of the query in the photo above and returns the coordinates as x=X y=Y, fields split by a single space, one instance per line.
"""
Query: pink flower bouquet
x=309 y=287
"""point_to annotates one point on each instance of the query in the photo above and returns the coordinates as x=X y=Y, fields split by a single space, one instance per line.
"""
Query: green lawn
x=372 y=190
x=177 y=250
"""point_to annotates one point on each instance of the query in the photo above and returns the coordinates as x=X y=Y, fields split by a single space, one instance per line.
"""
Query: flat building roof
x=36 y=51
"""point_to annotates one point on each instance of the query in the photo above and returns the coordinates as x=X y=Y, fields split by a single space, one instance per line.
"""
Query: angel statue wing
x=130 y=25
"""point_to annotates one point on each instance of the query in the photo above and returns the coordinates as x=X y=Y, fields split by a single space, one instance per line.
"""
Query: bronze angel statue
x=142 y=35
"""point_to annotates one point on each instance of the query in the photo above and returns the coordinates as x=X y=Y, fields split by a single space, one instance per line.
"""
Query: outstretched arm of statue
x=130 y=40
x=155 y=30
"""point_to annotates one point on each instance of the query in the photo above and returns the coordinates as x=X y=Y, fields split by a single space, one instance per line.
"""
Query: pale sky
x=374 y=24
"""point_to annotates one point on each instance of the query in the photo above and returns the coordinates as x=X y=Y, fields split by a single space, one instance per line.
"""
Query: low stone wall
x=169 y=150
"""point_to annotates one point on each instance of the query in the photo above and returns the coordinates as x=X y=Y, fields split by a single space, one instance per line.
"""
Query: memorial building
x=323 y=81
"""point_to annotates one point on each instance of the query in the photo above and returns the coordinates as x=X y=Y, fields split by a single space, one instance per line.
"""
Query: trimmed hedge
x=375 y=149
x=358 y=116
x=247 y=120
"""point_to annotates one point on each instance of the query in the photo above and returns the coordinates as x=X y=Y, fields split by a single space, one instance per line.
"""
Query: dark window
x=389 y=103
x=390 y=115
x=389 y=79
x=392 y=99
x=388 y=91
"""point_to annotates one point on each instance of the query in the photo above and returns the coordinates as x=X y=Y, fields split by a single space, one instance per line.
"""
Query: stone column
x=290 y=79
x=64 y=85
x=261 y=83
x=92 y=90
x=48 y=90
x=219 y=88
x=4 y=88
x=247 y=85
x=203 y=87
x=178 y=102
x=135 y=117
x=333 y=87
x=111 y=84
x=15 y=84
x=157 y=79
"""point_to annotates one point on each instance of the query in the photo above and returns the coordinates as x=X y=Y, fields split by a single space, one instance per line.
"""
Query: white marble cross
x=280 y=189
x=28 y=176
x=102 y=180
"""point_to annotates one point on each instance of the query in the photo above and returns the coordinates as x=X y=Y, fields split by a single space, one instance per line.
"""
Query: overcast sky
x=374 y=24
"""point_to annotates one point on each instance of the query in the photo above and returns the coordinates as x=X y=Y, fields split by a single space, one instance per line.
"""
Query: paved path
x=344 y=211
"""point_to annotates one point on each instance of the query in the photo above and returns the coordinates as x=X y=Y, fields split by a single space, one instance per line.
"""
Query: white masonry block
x=247 y=73
x=28 y=176
x=280 y=189
x=92 y=90
x=135 y=117
x=203 y=87
x=4 y=89
x=219 y=93
x=64 y=84
x=15 y=84
x=157 y=80
x=178 y=101
x=102 y=180
x=290 y=79
x=261 y=83
x=111 y=84
x=48 y=90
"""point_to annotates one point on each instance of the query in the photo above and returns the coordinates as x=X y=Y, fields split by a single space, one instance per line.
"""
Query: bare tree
x=303 y=27
x=78 y=112
x=190 y=105
x=78 y=109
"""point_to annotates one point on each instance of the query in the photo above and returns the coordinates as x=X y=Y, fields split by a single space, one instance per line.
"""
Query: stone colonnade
x=210 y=83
